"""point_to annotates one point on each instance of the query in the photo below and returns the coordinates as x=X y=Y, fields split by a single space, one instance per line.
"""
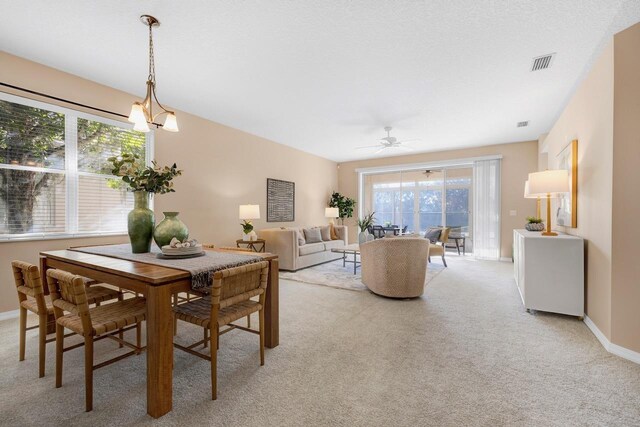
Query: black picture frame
x=281 y=200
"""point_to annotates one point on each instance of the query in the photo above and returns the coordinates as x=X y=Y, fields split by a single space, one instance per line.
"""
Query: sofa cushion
x=312 y=235
x=334 y=235
x=333 y=244
x=325 y=232
x=433 y=234
x=300 y=236
x=311 y=248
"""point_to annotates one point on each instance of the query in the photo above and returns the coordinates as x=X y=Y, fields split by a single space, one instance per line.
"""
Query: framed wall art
x=567 y=203
x=281 y=200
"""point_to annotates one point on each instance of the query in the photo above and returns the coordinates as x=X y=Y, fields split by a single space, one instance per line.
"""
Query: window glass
x=98 y=141
x=31 y=202
x=41 y=192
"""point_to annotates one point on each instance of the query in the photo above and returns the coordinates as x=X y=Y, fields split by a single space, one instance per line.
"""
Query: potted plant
x=534 y=224
x=344 y=204
x=247 y=231
x=364 y=225
x=145 y=180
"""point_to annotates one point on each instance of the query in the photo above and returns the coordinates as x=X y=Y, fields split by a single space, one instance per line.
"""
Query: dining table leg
x=159 y=350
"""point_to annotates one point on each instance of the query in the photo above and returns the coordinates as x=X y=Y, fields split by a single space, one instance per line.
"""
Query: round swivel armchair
x=395 y=267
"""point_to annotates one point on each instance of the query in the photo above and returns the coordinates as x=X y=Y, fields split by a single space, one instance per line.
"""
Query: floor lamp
x=550 y=183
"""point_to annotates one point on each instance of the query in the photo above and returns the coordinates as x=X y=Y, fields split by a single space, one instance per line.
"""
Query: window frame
x=416 y=187
x=70 y=170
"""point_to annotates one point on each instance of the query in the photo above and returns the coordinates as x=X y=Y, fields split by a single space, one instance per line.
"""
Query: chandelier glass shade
x=142 y=113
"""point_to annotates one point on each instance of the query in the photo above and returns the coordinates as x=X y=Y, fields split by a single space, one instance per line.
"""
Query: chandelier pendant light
x=142 y=112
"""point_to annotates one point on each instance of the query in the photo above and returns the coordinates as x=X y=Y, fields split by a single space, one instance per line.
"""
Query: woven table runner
x=201 y=268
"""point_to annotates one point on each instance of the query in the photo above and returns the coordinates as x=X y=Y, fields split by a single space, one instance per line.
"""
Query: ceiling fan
x=389 y=142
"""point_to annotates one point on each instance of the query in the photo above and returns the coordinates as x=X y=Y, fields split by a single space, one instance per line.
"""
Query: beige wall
x=223 y=167
x=604 y=116
x=588 y=118
x=625 y=268
x=518 y=160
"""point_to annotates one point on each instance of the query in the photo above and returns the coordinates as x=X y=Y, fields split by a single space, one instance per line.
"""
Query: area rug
x=334 y=275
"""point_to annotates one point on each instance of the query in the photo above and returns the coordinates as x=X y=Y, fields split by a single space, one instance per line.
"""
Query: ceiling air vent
x=523 y=124
x=542 y=62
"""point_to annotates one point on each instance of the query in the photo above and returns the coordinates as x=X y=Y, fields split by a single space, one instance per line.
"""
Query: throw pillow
x=312 y=235
x=325 y=232
x=433 y=234
x=334 y=235
x=301 y=241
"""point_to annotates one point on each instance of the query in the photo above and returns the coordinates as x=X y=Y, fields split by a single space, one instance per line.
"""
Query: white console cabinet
x=549 y=272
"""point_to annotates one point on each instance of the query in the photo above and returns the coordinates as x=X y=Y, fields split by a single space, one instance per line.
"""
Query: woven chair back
x=68 y=293
x=28 y=283
x=238 y=284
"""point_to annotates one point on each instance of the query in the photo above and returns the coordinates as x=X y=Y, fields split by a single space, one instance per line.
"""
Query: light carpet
x=334 y=275
x=464 y=354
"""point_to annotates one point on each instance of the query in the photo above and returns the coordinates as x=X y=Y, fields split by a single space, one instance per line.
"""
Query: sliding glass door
x=421 y=199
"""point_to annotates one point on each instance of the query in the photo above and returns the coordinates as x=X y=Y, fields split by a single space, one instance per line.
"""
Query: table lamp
x=248 y=213
x=528 y=195
x=550 y=183
x=331 y=213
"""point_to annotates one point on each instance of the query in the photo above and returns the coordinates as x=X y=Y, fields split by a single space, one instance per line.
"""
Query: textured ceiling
x=327 y=76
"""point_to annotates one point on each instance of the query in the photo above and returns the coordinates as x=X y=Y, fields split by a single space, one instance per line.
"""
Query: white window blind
x=55 y=179
x=486 y=224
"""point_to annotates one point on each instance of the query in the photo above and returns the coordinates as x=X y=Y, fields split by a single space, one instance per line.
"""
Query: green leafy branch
x=138 y=177
x=247 y=226
x=366 y=222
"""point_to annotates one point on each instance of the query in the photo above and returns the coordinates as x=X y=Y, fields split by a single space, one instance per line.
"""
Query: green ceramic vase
x=140 y=223
x=168 y=228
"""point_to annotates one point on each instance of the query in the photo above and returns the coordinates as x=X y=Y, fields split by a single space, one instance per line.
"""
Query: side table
x=457 y=238
x=258 y=245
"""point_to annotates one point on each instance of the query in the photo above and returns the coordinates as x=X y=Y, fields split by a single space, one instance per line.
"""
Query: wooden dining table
x=158 y=284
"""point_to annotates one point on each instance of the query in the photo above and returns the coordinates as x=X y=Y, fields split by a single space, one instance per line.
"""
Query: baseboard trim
x=9 y=315
x=612 y=348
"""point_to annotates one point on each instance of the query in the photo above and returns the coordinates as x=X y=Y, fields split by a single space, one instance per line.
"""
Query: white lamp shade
x=249 y=212
x=137 y=114
x=527 y=193
x=331 y=212
x=141 y=127
x=550 y=182
x=170 y=123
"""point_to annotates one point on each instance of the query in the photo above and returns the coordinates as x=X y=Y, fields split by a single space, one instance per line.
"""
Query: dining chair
x=69 y=294
x=31 y=297
x=236 y=249
x=230 y=300
x=378 y=231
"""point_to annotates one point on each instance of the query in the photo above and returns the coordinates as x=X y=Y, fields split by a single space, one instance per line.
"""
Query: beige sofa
x=395 y=267
x=293 y=256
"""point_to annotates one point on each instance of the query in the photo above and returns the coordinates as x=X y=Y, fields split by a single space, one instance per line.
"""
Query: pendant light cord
x=152 y=65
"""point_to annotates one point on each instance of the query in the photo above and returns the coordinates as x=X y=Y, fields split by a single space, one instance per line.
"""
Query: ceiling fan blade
x=368 y=146
x=408 y=140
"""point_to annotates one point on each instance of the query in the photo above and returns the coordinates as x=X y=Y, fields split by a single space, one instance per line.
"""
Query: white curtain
x=486 y=209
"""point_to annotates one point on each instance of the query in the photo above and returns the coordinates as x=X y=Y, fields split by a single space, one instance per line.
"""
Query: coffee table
x=353 y=249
